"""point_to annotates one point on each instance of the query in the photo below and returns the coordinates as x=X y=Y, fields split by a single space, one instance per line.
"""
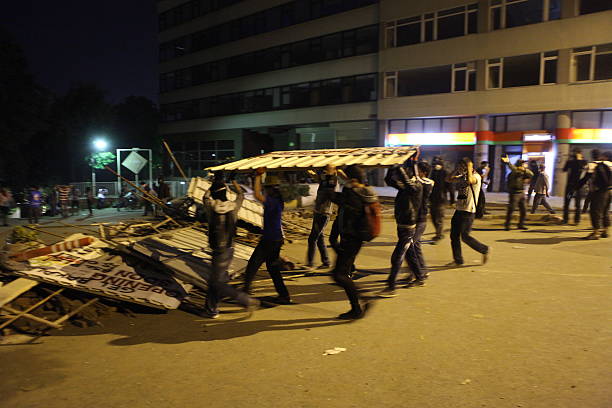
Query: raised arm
x=257 y=189
x=239 y=194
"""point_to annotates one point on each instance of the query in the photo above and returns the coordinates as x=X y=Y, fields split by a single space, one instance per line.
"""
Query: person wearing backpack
x=599 y=176
x=272 y=239
x=359 y=221
x=468 y=183
x=516 y=191
x=408 y=202
x=222 y=215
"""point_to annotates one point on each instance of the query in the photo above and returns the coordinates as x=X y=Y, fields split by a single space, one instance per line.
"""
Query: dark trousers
x=148 y=207
x=34 y=214
x=461 y=225
x=405 y=239
x=89 y=206
x=572 y=191
x=437 y=217
x=541 y=199
x=450 y=187
x=347 y=252
x=317 y=239
x=416 y=249
x=514 y=200
x=268 y=252
x=218 y=286
x=600 y=203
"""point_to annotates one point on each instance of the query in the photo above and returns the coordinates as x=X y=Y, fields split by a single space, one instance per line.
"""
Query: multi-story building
x=526 y=78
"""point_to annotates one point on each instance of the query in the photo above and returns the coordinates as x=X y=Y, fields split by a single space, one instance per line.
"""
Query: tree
x=23 y=112
x=100 y=159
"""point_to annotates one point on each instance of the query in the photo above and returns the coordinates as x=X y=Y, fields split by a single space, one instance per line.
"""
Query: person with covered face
x=437 y=198
x=222 y=215
x=518 y=177
x=352 y=202
x=269 y=247
x=323 y=209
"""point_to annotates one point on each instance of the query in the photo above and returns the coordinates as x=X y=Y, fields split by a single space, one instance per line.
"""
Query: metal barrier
x=111 y=186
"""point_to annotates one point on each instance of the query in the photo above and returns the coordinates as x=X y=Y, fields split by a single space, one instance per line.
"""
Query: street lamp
x=99 y=145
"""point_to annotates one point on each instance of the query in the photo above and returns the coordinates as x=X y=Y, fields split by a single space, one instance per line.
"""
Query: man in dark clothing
x=484 y=171
x=222 y=215
x=574 y=167
x=35 y=201
x=516 y=191
x=415 y=251
x=599 y=176
x=323 y=209
x=408 y=202
x=437 y=198
x=268 y=249
x=351 y=201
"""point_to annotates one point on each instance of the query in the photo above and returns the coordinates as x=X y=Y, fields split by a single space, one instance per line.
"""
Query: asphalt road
x=529 y=329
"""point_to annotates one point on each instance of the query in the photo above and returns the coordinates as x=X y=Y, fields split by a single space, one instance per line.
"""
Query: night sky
x=112 y=43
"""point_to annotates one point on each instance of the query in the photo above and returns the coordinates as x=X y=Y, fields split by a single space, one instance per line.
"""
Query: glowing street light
x=100 y=144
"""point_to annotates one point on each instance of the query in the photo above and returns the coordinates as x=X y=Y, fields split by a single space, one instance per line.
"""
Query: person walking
x=484 y=171
x=63 y=192
x=90 y=200
x=573 y=167
x=416 y=250
x=408 y=201
x=75 y=206
x=468 y=183
x=541 y=188
x=35 y=199
x=599 y=177
x=6 y=201
x=221 y=215
x=323 y=208
x=269 y=246
x=519 y=175
x=352 y=224
x=101 y=196
x=534 y=166
x=148 y=207
x=437 y=198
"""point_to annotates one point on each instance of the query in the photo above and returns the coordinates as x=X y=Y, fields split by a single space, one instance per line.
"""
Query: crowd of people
x=422 y=188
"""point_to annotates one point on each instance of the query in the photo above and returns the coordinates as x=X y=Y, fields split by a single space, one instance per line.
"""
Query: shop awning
x=306 y=159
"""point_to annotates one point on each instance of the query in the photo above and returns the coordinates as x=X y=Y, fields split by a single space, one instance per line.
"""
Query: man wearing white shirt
x=468 y=183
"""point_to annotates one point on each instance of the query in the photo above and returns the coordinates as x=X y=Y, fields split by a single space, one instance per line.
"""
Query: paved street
x=529 y=329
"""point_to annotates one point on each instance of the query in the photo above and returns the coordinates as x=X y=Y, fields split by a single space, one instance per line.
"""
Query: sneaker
x=352 y=314
x=592 y=236
x=453 y=264
x=325 y=265
x=281 y=300
x=485 y=257
x=253 y=305
x=522 y=227
x=416 y=283
x=604 y=234
x=209 y=314
x=387 y=292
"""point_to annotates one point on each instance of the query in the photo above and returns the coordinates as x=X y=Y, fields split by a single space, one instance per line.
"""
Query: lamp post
x=99 y=145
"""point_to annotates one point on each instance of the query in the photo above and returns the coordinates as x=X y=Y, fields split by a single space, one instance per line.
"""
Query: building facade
x=527 y=78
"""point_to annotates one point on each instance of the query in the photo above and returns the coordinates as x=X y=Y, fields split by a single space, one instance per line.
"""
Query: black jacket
x=439 y=192
x=222 y=217
x=351 y=215
x=428 y=186
x=409 y=195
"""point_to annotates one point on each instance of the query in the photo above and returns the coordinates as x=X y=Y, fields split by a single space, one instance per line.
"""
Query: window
x=424 y=81
x=390 y=86
x=464 y=77
x=359 y=88
x=515 y=13
x=343 y=44
x=522 y=70
x=440 y=25
x=592 y=63
x=594 y=6
x=285 y=15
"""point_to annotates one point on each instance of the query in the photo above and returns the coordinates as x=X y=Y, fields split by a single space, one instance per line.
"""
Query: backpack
x=602 y=176
x=372 y=221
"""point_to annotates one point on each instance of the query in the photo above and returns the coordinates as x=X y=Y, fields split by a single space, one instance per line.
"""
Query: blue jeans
x=316 y=238
x=405 y=239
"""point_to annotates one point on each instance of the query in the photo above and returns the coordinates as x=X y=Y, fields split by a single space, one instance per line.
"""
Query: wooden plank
x=19 y=314
x=14 y=289
x=25 y=313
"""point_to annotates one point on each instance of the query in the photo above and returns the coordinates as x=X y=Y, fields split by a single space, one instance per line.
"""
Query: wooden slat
x=14 y=289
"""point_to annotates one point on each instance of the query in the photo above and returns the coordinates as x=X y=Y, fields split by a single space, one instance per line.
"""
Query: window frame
x=503 y=5
x=574 y=71
x=469 y=67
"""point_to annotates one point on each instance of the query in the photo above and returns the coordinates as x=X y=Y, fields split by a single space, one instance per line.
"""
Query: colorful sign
x=437 y=139
x=589 y=136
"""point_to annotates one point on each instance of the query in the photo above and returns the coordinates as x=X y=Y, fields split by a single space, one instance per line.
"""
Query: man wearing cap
x=268 y=249
x=221 y=215
x=517 y=178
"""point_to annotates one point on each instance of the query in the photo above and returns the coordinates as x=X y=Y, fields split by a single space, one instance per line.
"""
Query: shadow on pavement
x=539 y=241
